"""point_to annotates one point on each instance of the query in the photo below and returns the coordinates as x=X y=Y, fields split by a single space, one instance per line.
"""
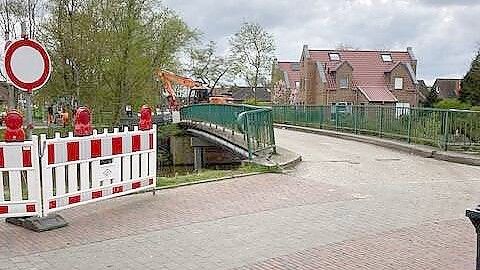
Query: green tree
x=207 y=66
x=471 y=83
x=432 y=98
x=104 y=52
x=251 y=53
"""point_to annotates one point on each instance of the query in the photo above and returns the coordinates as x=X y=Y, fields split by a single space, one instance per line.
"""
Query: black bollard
x=474 y=216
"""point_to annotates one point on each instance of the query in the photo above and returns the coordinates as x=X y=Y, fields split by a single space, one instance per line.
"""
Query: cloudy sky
x=443 y=33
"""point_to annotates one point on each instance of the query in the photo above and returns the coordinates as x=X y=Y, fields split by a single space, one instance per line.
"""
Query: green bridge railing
x=254 y=123
x=440 y=128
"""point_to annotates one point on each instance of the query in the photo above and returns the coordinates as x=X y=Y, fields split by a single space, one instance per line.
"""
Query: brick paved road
x=347 y=206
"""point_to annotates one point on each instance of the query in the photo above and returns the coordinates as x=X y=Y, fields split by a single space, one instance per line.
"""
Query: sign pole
x=29 y=114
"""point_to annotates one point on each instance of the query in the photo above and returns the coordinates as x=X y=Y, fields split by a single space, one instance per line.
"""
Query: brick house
x=423 y=91
x=447 y=88
x=358 y=77
x=286 y=82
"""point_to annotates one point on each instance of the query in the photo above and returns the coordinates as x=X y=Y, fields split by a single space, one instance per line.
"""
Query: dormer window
x=344 y=83
x=295 y=66
x=334 y=56
x=386 y=57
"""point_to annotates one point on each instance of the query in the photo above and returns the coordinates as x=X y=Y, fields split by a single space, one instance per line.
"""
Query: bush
x=475 y=108
x=452 y=103
x=251 y=101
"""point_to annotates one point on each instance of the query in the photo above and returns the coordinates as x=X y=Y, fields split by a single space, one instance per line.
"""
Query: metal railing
x=254 y=123
x=440 y=128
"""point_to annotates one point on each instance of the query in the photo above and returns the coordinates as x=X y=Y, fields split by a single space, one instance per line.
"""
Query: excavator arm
x=168 y=78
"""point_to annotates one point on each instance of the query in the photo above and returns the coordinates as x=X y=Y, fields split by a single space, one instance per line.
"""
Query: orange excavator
x=201 y=94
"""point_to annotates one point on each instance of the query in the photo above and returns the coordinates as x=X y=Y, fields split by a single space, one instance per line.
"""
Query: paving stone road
x=347 y=206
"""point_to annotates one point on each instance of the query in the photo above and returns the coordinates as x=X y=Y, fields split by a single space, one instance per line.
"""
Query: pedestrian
x=74 y=112
x=50 y=115
x=65 y=117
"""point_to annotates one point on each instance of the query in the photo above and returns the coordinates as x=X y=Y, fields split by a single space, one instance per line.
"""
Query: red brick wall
x=316 y=93
x=408 y=94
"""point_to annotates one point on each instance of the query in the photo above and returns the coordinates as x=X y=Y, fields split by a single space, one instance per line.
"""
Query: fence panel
x=440 y=128
x=19 y=179
x=257 y=126
x=255 y=123
x=463 y=129
x=80 y=170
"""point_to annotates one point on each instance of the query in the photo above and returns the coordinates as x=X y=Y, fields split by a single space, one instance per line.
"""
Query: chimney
x=410 y=52
x=414 y=59
x=306 y=53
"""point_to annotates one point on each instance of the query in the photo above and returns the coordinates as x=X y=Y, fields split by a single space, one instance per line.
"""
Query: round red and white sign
x=27 y=64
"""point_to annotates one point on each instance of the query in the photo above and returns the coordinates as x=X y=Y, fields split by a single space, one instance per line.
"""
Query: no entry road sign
x=27 y=64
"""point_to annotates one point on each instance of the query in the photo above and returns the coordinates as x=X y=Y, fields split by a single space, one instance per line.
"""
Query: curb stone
x=209 y=180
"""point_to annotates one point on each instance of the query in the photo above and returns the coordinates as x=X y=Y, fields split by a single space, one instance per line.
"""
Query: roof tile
x=292 y=73
x=368 y=70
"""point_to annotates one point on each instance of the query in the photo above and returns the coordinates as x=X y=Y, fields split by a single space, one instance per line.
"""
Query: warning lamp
x=83 y=123
x=145 y=118
x=14 y=123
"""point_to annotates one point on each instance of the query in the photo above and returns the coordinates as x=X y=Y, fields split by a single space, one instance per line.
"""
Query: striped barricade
x=80 y=170
x=20 y=179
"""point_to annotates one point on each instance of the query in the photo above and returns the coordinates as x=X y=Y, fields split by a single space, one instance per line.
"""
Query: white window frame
x=386 y=57
x=402 y=108
x=297 y=84
x=334 y=56
x=346 y=84
x=398 y=83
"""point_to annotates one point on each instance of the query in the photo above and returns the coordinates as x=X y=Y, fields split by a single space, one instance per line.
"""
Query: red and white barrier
x=80 y=170
x=39 y=177
x=19 y=179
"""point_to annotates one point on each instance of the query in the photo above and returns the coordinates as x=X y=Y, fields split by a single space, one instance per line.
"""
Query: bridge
x=248 y=128
x=348 y=205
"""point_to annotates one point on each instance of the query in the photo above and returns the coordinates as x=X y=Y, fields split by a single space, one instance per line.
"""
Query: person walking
x=65 y=117
x=50 y=117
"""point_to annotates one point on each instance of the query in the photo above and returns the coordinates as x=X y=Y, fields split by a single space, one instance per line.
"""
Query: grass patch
x=212 y=174
x=169 y=130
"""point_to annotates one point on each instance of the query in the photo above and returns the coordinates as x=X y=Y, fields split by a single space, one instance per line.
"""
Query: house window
x=295 y=66
x=297 y=85
x=344 y=82
x=387 y=57
x=334 y=56
x=398 y=83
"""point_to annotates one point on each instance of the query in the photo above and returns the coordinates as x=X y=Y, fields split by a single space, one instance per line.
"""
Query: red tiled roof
x=368 y=70
x=293 y=75
x=377 y=94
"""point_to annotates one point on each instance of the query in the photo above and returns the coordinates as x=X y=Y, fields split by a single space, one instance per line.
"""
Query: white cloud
x=443 y=33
